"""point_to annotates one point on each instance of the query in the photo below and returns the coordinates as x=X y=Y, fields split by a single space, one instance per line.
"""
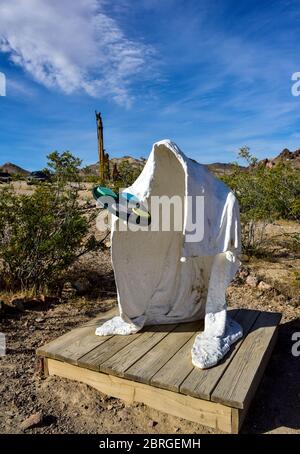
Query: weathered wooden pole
x=100 y=146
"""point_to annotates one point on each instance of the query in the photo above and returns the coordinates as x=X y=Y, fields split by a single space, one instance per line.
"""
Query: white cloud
x=72 y=45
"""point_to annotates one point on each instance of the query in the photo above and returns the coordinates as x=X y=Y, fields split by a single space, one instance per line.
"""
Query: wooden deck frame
x=222 y=405
x=204 y=412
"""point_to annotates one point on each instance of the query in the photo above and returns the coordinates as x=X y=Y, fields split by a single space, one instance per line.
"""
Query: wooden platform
x=154 y=367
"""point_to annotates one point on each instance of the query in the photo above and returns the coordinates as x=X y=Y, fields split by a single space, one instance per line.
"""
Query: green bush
x=265 y=195
x=43 y=233
x=127 y=175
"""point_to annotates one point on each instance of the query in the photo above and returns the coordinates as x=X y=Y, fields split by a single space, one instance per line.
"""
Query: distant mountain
x=217 y=168
x=221 y=168
x=14 y=169
x=93 y=169
x=286 y=156
x=138 y=163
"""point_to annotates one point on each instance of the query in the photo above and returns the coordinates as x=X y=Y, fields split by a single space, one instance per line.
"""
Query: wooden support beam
x=217 y=416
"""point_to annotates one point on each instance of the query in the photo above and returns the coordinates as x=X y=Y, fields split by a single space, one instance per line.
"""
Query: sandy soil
x=70 y=407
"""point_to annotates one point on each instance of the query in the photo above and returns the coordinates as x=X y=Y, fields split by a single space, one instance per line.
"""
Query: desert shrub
x=64 y=168
x=127 y=175
x=265 y=194
x=41 y=234
x=94 y=179
x=17 y=177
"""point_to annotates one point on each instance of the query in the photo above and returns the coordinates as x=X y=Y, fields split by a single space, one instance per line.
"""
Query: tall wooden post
x=100 y=146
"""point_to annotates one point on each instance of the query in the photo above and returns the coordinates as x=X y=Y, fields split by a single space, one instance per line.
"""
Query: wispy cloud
x=72 y=45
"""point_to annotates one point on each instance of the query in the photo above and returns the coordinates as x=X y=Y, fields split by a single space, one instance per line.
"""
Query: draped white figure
x=178 y=276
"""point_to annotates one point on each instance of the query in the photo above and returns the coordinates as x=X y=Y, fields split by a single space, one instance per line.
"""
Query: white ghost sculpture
x=177 y=276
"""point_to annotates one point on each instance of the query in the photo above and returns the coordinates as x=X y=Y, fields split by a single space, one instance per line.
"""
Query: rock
x=295 y=302
x=39 y=367
x=68 y=292
x=39 y=319
x=17 y=304
x=152 y=423
x=280 y=298
x=243 y=273
x=252 y=281
x=31 y=303
x=34 y=420
x=82 y=285
x=21 y=304
x=10 y=308
x=124 y=413
x=244 y=258
x=107 y=243
x=264 y=286
x=48 y=300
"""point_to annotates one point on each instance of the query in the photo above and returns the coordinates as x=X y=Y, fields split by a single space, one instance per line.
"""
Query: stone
x=251 y=280
x=18 y=304
x=33 y=420
x=243 y=273
x=295 y=302
x=264 y=286
x=48 y=300
x=280 y=298
x=244 y=258
x=124 y=413
x=152 y=423
x=68 y=291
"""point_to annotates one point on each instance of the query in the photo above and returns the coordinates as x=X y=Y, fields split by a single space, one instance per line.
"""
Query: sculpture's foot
x=208 y=350
x=116 y=325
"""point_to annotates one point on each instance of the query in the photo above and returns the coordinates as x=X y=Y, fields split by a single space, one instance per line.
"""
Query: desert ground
x=67 y=407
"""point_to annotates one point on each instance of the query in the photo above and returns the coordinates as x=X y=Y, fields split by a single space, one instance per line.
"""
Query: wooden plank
x=144 y=369
x=177 y=369
x=203 y=412
x=173 y=373
x=103 y=352
x=243 y=413
x=201 y=383
x=118 y=363
x=236 y=420
x=77 y=342
x=241 y=379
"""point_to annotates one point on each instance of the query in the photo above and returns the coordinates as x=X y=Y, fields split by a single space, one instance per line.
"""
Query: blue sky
x=211 y=75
